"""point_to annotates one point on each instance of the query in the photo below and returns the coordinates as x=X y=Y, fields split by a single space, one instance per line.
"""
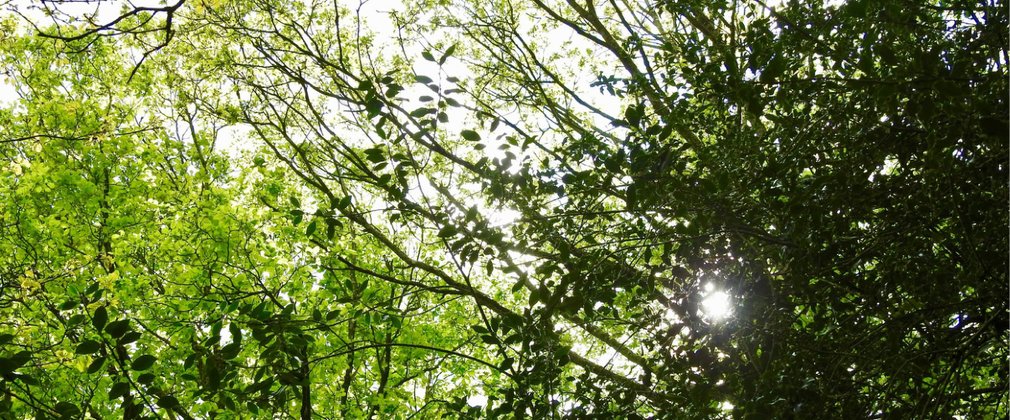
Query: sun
x=716 y=305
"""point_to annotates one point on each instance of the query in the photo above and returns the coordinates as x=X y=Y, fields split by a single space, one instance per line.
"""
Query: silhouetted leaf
x=118 y=390
x=143 y=362
x=470 y=135
x=116 y=329
x=87 y=347
x=100 y=317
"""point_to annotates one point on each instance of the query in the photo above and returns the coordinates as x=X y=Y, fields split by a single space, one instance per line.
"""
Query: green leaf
x=26 y=379
x=67 y=410
x=423 y=79
x=6 y=338
x=534 y=296
x=344 y=202
x=190 y=360
x=447 y=54
x=96 y=365
x=774 y=69
x=87 y=347
x=100 y=317
x=420 y=112
x=446 y=232
x=231 y=350
x=116 y=329
x=470 y=135
x=311 y=228
x=236 y=332
x=375 y=155
x=633 y=114
x=427 y=55
x=75 y=320
x=373 y=107
x=561 y=355
x=228 y=403
x=393 y=90
x=129 y=337
x=118 y=389
x=8 y=365
x=213 y=377
x=259 y=386
x=143 y=362
x=288 y=378
x=168 y=401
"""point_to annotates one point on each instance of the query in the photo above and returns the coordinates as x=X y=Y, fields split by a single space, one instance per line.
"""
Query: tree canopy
x=510 y=208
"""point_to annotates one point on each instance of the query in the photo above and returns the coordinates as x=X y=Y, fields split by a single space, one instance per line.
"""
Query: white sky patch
x=236 y=139
x=419 y=189
x=226 y=336
x=619 y=363
x=477 y=400
x=8 y=94
x=671 y=317
x=501 y=217
x=523 y=261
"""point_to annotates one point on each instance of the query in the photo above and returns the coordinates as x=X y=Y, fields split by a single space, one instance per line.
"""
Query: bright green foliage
x=266 y=209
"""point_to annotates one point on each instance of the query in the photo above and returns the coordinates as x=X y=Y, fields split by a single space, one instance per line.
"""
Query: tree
x=512 y=209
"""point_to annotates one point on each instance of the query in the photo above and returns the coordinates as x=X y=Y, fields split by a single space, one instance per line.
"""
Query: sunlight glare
x=716 y=305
